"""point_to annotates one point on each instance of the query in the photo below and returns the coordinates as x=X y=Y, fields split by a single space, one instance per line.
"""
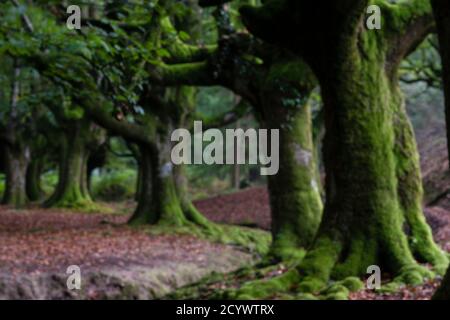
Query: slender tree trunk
x=17 y=154
x=294 y=191
x=17 y=159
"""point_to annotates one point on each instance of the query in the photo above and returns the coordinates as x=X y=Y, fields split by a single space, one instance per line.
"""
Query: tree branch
x=408 y=24
x=180 y=52
x=127 y=130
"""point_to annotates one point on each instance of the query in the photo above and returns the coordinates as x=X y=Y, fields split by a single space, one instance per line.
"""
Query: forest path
x=116 y=261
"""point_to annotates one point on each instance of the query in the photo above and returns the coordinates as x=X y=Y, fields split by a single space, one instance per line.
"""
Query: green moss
x=353 y=284
x=414 y=275
x=254 y=240
x=306 y=296
x=295 y=199
x=337 y=296
x=265 y=288
x=316 y=268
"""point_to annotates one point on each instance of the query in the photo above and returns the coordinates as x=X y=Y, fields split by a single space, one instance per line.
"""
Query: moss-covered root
x=286 y=286
x=266 y=288
x=340 y=290
x=327 y=260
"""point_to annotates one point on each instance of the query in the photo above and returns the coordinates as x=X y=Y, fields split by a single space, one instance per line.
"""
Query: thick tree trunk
x=158 y=201
x=294 y=191
x=16 y=159
x=72 y=190
x=33 y=180
x=373 y=213
x=163 y=197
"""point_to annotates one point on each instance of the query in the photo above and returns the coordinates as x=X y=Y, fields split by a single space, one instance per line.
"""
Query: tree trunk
x=33 y=180
x=373 y=213
x=16 y=158
x=295 y=200
x=72 y=190
x=158 y=201
x=162 y=197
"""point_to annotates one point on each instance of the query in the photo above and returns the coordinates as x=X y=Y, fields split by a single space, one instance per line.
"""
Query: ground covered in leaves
x=36 y=243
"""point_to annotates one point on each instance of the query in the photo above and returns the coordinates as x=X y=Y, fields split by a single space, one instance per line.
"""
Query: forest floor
x=116 y=261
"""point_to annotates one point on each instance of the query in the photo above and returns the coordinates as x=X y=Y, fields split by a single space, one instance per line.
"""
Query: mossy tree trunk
x=373 y=184
x=33 y=179
x=373 y=213
x=17 y=158
x=72 y=190
x=296 y=205
x=162 y=197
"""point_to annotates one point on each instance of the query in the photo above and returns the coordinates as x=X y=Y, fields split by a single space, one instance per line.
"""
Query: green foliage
x=115 y=185
x=49 y=181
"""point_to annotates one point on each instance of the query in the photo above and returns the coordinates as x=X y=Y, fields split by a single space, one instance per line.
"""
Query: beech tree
x=19 y=133
x=80 y=138
x=278 y=89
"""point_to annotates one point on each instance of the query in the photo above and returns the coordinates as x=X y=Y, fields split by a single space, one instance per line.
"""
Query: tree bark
x=158 y=201
x=295 y=200
x=72 y=190
x=33 y=179
x=16 y=158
